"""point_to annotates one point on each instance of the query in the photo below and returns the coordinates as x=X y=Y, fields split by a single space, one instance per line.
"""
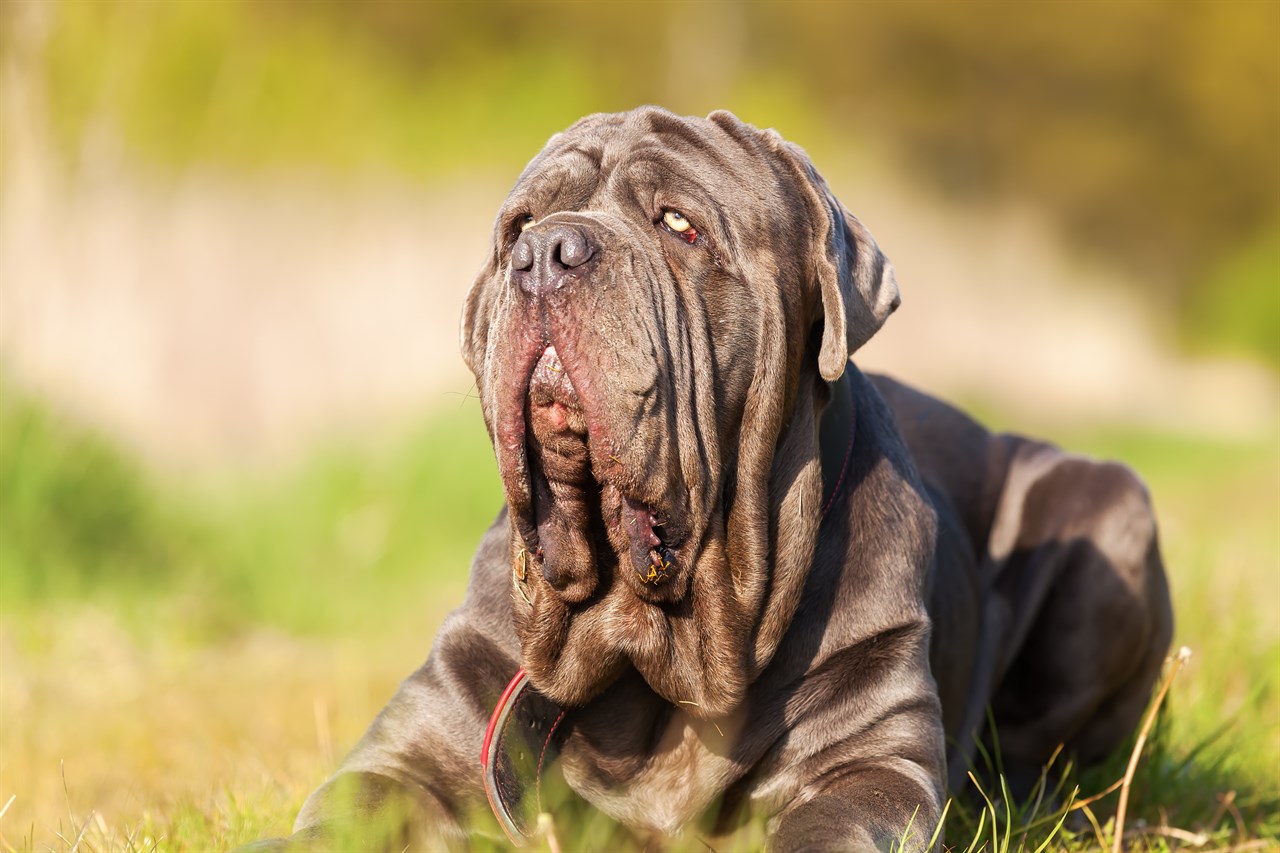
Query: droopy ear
x=474 y=332
x=858 y=287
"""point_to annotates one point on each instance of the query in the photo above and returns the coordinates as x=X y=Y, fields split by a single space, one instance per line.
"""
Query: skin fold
x=733 y=625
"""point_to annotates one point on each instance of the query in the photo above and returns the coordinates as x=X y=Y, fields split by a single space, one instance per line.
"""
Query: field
x=184 y=661
x=207 y=591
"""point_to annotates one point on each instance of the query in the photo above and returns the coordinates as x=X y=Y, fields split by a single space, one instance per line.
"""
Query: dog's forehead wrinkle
x=694 y=135
x=631 y=177
x=683 y=183
x=594 y=154
x=645 y=334
x=565 y=183
x=684 y=150
x=625 y=188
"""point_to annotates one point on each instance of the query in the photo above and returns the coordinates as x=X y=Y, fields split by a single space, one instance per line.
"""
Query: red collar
x=505 y=761
x=501 y=777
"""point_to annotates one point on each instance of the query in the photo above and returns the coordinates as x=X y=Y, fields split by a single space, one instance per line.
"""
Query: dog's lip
x=551 y=389
x=646 y=525
x=554 y=389
x=653 y=550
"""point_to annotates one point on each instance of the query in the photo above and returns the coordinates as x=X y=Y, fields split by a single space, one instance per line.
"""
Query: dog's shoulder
x=963 y=464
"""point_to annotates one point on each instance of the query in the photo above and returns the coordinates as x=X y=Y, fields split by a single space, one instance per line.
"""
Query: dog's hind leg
x=1078 y=565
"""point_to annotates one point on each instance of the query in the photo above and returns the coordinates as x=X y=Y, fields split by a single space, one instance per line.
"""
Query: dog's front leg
x=414 y=780
x=890 y=805
x=362 y=810
x=862 y=764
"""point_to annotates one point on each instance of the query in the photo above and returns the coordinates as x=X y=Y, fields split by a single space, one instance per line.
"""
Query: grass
x=181 y=664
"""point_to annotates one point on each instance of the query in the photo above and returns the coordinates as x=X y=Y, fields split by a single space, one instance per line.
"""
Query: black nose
x=543 y=258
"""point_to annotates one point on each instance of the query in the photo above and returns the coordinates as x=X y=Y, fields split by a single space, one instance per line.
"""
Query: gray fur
x=813 y=672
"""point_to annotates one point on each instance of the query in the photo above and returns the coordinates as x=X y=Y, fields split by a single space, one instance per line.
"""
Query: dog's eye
x=523 y=222
x=676 y=221
x=678 y=224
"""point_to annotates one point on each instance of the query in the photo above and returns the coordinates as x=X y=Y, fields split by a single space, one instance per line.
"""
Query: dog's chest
x=661 y=779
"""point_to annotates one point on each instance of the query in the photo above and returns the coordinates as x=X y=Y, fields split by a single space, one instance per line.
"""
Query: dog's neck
x=835 y=437
x=538 y=720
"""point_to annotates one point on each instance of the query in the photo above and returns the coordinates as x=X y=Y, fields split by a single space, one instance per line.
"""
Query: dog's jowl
x=736 y=579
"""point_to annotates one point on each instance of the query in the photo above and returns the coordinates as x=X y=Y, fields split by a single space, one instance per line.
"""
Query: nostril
x=574 y=250
x=522 y=255
x=543 y=259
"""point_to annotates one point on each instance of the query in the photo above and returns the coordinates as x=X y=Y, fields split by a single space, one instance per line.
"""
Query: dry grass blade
x=719 y=731
x=66 y=792
x=324 y=736
x=1097 y=828
x=1107 y=791
x=74 y=845
x=1246 y=847
x=1178 y=660
x=991 y=809
x=547 y=829
x=80 y=835
x=1042 y=784
x=1195 y=839
x=1226 y=804
x=12 y=797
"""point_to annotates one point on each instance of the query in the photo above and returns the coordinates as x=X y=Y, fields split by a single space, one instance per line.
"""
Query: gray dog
x=734 y=575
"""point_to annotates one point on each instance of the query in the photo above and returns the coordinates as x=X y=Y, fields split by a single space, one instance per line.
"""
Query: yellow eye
x=675 y=220
x=525 y=221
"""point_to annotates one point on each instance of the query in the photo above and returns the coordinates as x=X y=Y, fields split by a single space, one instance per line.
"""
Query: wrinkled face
x=645 y=342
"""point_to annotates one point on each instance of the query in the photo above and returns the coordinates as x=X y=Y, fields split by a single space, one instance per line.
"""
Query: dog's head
x=652 y=338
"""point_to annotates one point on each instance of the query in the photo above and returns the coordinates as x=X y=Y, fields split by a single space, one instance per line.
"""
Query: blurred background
x=241 y=471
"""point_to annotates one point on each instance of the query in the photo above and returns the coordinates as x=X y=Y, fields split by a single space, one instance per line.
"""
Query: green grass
x=183 y=662
x=316 y=550
x=78 y=515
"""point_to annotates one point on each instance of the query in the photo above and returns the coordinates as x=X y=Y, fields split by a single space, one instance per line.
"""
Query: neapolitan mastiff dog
x=735 y=575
